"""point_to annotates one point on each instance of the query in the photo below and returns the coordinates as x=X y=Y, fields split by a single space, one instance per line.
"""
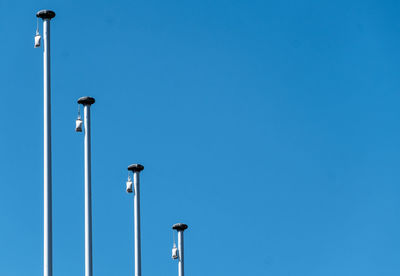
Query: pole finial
x=135 y=168
x=86 y=100
x=45 y=14
x=179 y=226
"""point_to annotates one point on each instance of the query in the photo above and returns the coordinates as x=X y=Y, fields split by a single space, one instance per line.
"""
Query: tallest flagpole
x=47 y=15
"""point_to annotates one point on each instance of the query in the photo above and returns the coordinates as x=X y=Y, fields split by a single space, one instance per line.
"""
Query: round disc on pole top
x=45 y=14
x=179 y=226
x=86 y=100
x=135 y=168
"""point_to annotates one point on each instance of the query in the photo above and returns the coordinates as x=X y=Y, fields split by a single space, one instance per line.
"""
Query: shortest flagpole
x=180 y=227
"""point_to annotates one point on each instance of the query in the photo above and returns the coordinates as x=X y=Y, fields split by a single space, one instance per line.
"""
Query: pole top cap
x=136 y=168
x=45 y=14
x=179 y=226
x=86 y=100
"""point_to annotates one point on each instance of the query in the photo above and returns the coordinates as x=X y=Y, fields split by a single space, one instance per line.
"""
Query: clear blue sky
x=270 y=127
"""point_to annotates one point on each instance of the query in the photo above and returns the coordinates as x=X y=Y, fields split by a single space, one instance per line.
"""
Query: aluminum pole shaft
x=47 y=15
x=47 y=244
x=180 y=227
x=181 y=255
x=136 y=202
x=88 y=195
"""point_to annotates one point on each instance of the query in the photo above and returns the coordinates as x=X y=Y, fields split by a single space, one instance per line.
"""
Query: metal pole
x=180 y=227
x=47 y=15
x=87 y=102
x=136 y=169
x=181 y=255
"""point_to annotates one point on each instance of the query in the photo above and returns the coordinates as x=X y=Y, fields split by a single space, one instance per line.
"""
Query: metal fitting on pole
x=87 y=102
x=136 y=169
x=47 y=15
x=180 y=227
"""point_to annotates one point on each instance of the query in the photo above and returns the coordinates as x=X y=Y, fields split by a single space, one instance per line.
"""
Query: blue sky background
x=269 y=127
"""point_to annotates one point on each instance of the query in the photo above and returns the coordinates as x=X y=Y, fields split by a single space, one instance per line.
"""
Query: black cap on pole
x=86 y=100
x=135 y=168
x=45 y=14
x=179 y=226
